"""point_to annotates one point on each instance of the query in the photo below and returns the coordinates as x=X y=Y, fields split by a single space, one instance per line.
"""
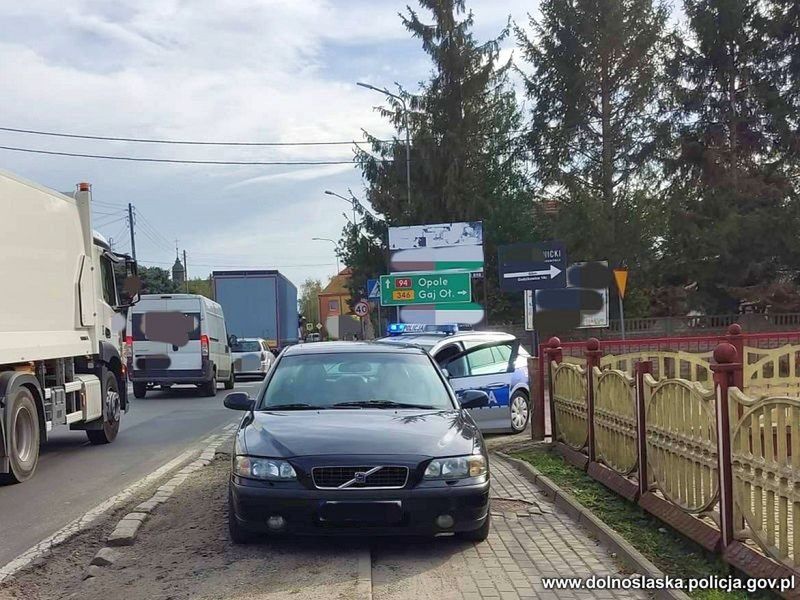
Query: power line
x=157 y=262
x=183 y=142
x=187 y=162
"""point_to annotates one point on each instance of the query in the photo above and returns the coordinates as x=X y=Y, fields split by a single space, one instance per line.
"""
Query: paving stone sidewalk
x=531 y=540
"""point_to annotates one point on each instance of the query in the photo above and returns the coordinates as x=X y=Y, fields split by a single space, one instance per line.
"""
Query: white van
x=177 y=339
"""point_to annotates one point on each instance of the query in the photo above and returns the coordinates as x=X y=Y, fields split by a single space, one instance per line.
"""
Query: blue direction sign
x=537 y=266
x=373 y=289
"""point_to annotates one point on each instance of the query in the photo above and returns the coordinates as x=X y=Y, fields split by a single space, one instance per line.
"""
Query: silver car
x=251 y=357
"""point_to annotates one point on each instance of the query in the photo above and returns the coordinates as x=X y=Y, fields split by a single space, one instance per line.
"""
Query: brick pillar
x=552 y=352
x=724 y=369
x=642 y=367
x=593 y=354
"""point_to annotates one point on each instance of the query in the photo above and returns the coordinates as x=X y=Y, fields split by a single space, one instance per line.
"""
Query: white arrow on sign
x=462 y=292
x=553 y=272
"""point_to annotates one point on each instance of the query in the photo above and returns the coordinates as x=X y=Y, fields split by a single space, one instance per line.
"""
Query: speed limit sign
x=361 y=308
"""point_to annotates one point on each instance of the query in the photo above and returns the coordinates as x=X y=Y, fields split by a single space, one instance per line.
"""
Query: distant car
x=358 y=438
x=313 y=337
x=488 y=360
x=177 y=339
x=251 y=357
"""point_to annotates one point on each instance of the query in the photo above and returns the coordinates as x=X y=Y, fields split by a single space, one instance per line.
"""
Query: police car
x=486 y=360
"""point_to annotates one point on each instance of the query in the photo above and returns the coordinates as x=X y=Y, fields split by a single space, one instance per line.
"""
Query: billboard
x=436 y=236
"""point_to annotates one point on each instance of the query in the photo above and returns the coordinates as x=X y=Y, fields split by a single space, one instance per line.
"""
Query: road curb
x=124 y=534
x=565 y=502
x=364 y=583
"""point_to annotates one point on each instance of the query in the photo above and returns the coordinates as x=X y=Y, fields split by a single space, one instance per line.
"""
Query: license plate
x=385 y=512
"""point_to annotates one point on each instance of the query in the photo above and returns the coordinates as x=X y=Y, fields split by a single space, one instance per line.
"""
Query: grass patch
x=670 y=551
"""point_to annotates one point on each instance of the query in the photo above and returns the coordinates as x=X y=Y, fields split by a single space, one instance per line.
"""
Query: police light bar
x=401 y=328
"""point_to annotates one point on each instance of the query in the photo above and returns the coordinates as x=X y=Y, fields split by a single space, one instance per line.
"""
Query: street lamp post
x=405 y=124
x=352 y=201
x=318 y=239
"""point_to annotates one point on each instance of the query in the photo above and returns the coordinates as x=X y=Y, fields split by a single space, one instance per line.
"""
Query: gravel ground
x=183 y=552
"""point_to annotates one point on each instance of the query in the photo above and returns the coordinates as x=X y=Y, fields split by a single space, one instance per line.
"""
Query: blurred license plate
x=386 y=511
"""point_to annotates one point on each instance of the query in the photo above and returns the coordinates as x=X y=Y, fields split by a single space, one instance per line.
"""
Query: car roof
x=355 y=347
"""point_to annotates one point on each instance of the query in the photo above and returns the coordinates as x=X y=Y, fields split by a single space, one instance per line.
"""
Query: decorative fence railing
x=704 y=433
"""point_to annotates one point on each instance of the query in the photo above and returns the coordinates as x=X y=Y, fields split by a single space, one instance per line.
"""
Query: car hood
x=353 y=432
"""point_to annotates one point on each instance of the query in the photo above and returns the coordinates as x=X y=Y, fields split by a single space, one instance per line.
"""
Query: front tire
x=23 y=429
x=139 y=389
x=520 y=411
x=239 y=535
x=111 y=412
x=480 y=534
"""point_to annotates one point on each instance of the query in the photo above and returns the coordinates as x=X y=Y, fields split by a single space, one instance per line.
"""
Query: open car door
x=488 y=367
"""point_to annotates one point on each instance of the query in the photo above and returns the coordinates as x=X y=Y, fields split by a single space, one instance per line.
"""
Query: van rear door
x=187 y=357
x=147 y=355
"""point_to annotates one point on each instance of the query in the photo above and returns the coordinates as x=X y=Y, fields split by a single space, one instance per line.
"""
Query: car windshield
x=245 y=346
x=351 y=380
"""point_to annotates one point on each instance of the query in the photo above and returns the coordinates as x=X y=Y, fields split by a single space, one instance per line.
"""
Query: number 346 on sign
x=403 y=295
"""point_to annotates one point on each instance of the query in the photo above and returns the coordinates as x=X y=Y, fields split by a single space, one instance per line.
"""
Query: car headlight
x=457 y=467
x=269 y=469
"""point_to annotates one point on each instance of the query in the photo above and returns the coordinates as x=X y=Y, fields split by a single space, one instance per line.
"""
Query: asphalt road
x=73 y=477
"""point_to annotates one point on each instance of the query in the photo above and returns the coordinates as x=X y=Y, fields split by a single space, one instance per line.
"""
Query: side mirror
x=473 y=398
x=239 y=401
x=275 y=351
x=446 y=373
x=232 y=340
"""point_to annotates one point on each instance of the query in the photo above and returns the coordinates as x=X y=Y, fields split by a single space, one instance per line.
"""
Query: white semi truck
x=60 y=362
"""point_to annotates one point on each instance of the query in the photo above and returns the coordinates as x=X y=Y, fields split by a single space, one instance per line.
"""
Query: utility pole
x=185 y=272
x=130 y=224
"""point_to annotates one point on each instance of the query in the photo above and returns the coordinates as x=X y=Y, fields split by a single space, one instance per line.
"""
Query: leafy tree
x=465 y=160
x=596 y=69
x=309 y=299
x=156 y=280
x=733 y=197
x=201 y=286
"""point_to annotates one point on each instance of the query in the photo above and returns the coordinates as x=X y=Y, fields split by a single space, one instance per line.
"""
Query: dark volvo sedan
x=358 y=438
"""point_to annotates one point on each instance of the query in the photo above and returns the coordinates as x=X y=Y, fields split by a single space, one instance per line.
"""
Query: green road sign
x=426 y=288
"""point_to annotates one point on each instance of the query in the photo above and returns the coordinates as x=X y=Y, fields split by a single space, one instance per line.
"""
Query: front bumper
x=252 y=503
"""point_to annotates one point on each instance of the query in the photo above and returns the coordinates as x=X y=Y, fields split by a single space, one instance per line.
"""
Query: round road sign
x=361 y=308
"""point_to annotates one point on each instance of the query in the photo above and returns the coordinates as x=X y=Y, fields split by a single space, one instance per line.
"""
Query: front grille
x=336 y=477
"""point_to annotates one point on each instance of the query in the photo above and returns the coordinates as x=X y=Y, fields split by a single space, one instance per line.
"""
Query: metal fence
x=702 y=432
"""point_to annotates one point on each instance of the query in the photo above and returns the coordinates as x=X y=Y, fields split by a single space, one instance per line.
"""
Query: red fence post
x=724 y=377
x=735 y=338
x=642 y=367
x=537 y=395
x=552 y=353
x=593 y=354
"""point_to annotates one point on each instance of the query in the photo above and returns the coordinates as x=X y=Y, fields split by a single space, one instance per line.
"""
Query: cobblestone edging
x=564 y=501
x=125 y=532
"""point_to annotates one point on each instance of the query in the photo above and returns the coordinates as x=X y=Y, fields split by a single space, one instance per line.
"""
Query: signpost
x=361 y=308
x=427 y=288
x=532 y=266
x=621 y=277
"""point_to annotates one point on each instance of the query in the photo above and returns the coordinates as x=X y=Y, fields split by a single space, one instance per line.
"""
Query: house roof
x=337 y=286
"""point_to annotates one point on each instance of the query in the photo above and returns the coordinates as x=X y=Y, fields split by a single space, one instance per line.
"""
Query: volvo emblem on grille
x=360 y=477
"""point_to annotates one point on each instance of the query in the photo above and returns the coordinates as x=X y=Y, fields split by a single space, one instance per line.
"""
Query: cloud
x=304 y=174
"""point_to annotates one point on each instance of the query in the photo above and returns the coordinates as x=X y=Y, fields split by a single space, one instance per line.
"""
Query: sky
x=218 y=70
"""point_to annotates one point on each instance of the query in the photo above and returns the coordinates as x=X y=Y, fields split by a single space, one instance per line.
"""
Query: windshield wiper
x=293 y=406
x=379 y=404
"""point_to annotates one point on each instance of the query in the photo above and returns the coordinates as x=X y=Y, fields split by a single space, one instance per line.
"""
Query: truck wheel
x=139 y=389
x=23 y=429
x=111 y=412
x=210 y=387
x=230 y=383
